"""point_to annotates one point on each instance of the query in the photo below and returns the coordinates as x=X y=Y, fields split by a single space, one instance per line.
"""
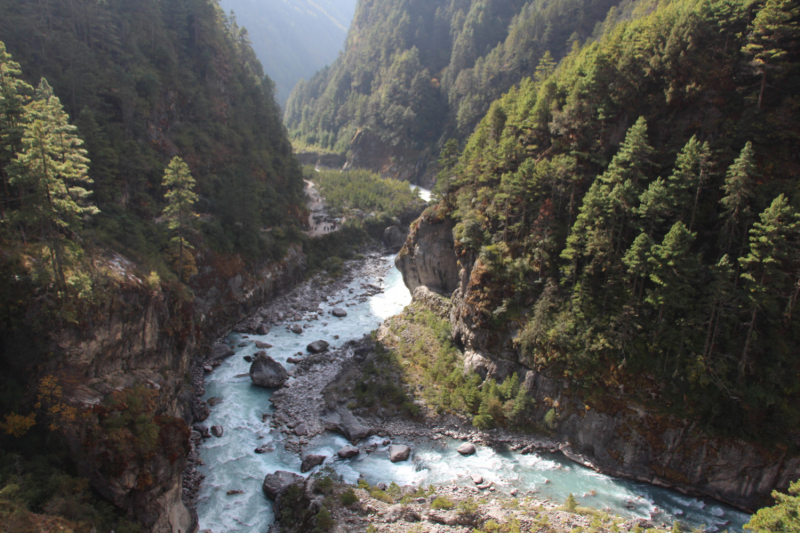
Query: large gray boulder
x=399 y=452
x=348 y=452
x=220 y=352
x=345 y=422
x=310 y=461
x=394 y=238
x=297 y=329
x=466 y=449
x=277 y=483
x=267 y=372
x=318 y=347
x=339 y=312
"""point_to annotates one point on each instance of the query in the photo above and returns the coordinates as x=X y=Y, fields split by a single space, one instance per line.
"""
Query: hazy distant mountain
x=293 y=38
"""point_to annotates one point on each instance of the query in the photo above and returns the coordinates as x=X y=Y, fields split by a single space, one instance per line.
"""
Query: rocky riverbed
x=264 y=431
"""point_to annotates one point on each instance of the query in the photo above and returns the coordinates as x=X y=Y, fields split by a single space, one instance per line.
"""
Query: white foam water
x=232 y=465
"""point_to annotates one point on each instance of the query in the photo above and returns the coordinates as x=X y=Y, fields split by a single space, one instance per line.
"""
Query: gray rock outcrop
x=343 y=421
x=267 y=372
x=318 y=347
x=310 y=461
x=348 y=452
x=399 y=452
x=220 y=352
x=277 y=483
x=428 y=257
x=394 y=238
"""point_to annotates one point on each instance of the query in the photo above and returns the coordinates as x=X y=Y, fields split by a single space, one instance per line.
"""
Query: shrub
x=348 y=497
x=442 y=502
x=571 y=504
x=551 y=418
x=324 y=485
x=467 y=507
x=381 y=496
x=324 y=520
x=362 y=484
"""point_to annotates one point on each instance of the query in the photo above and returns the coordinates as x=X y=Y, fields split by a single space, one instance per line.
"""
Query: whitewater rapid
x=232 y=465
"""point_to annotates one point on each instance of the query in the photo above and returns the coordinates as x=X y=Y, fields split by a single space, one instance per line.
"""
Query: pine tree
x=656 y=204
x=13 y=92
x=545 y=68
x=692 y=170
x=180 y=202
x=773 y=249
x=772 y=30
x=738 y=189
x=51 y=171
x=673 y=271
x=636 y=261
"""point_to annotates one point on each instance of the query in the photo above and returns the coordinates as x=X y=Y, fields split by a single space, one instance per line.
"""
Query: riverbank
x=317 y=413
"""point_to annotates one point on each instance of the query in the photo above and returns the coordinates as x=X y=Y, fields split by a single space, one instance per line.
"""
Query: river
x=231 y=464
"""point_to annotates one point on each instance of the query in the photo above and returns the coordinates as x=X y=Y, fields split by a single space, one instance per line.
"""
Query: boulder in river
x=301 y=430
x=346 y=423
x=296 y=328
x=263 y=345
x=248 y=358
x=466 y=449
x=262 y=329
x=399 y=452
x=267 y=372
x=266 y=448
x=318 y=346
x=275 y=484
x=219 y=352
x=348 y=452
x=310 y=461
x=477 y=479
x=217 y=431
x=339 y=312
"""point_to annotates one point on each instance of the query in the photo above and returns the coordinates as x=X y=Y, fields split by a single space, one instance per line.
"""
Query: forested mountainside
x=149 y=195
x=630 y=223
x=293 y=39
x=419 y=72
x=146 y=81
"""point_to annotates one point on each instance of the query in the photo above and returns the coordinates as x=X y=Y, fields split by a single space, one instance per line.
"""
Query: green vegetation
x=362 y=190
x=442 y=502
x=179 y=211
x=420 y=72
x=348 y=498
x=422 y=351
x=640 y=242
x=39 y=495
x=784 y=517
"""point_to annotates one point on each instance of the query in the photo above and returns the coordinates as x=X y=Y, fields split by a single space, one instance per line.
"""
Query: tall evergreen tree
x=692 y=171
x=766 y=269
x=771 y=32
x=51 y=172
x=13 y=94
x=180 y=202
x=738 y=189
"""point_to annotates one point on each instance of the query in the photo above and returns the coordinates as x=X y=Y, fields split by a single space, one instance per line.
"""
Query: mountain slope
x=416 y=73
x=629 y=224
x=293 y=39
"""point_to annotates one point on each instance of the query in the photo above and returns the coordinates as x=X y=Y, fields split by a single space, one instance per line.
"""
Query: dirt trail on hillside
x=318 y=220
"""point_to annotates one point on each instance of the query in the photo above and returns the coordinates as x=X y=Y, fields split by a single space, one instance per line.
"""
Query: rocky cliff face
x=428 y=257
x=369 y=151
x=613 y=434
x=147 y=341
